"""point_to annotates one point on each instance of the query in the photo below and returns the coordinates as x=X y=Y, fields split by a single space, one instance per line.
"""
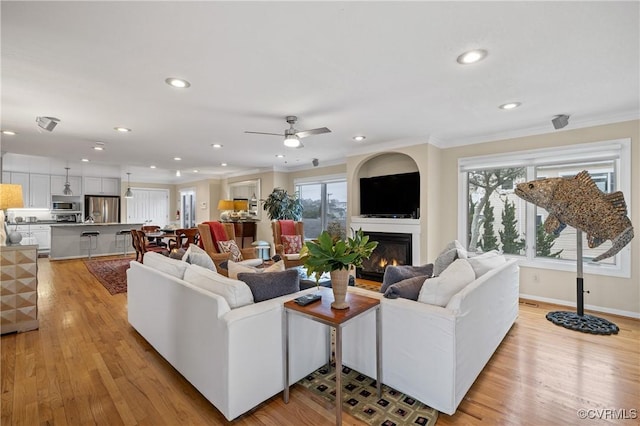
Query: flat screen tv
x=395 y=196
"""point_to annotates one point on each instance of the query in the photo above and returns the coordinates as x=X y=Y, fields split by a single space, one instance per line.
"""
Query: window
x=496 y=218
x=325 y=205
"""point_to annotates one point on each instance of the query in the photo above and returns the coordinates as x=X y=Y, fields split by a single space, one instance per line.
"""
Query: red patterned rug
x=112 y=273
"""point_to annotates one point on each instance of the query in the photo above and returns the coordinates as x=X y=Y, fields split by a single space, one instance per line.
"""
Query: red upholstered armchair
x=213 y=232
x=288 y=248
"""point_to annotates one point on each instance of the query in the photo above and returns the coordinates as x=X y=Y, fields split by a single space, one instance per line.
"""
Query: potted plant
x=337 y=256
x=281 y=205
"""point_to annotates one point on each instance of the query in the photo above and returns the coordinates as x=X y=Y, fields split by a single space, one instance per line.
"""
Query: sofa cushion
x=235 y=292
x=271 y=284
x=235 y=268
x=230 y=247
x=292 y=244
x=165 y=264
x=438 y=290
x=485 y=262
x=454 y=250
x=196 y=256
x=395 y=274
x=406 y=289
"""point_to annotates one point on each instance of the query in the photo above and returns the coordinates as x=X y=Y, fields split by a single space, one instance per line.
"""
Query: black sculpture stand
x=578 y=321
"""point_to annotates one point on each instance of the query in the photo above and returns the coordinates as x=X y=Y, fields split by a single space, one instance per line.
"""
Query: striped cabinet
x=19 y=288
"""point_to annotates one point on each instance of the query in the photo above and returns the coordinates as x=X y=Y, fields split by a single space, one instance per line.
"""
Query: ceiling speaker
x=560 y=121
x=315 y=162
x=47 y=123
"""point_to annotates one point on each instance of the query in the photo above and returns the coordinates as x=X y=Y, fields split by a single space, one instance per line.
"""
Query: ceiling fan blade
x=318 y=131
x=264 y=133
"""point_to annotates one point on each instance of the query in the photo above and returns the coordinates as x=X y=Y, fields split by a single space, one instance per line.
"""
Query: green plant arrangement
x=280 y=205
x=332 y=253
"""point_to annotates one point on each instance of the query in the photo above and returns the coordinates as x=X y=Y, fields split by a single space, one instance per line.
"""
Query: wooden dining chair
x=184 y=237
x=144 y=246
x=153 y=240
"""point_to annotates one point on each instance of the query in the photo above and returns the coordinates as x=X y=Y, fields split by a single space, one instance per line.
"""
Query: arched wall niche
x=380 y=164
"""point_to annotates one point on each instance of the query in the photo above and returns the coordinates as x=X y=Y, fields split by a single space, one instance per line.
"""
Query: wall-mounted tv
x=395 y=196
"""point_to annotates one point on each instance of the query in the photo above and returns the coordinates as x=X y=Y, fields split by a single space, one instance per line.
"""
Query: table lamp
x=10 y=198
x=225 y=206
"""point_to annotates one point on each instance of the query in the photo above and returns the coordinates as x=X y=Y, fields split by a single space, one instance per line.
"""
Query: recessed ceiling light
x=472 y=56
x=152 y=166
x=510 y=105
x=122 y=129
x=177 y=83
x=85 y=160
x=178 y=173
x=98 y=148
x=195 y=170
x=8 y=132
x=177 y=158
x=216 y=145
x=359 y=138
x=223 y=164
x=280 y=155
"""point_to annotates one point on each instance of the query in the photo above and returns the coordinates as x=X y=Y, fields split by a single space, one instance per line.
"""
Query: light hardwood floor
x=86 y=365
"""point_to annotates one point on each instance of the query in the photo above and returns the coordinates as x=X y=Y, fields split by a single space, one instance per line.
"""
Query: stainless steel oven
x=65 y=206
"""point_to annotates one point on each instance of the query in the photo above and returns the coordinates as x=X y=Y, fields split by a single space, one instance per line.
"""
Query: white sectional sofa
x=233 y=356
x=435 y=353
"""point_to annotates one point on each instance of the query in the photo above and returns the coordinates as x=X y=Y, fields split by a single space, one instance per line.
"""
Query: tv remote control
x=305 y=300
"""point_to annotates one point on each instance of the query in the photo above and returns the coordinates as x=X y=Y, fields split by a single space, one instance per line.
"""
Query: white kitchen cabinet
x=6 y=177
x=101 y=186
x=41 y=234
x=57 y=184
x=20 y=178
x=39 y=191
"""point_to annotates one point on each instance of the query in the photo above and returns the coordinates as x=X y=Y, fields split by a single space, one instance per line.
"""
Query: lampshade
x=240 y=205
x=11 y=196
x=225 y=205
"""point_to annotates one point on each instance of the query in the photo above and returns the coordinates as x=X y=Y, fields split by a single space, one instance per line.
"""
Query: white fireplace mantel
x=397 y=226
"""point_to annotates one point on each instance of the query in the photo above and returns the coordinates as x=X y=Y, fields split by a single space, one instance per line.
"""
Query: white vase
x=339 y=284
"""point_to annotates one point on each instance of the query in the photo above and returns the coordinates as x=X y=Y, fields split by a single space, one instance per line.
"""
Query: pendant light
x=67 y=187
x=128 y=194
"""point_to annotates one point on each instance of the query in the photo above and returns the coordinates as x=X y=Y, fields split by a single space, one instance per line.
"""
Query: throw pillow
x=231 y=247
x=454 y=250
x=292 y=243
x=235 y=292
x=271 y=285
x=406 y=289
x=394 y=274
x=196 y=256
x=438 y=290
x=165 y=264
x=485 y=262
x=236 y=268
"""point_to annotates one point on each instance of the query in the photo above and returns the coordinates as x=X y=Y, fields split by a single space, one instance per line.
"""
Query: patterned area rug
x=360 y=399
x=112 y=273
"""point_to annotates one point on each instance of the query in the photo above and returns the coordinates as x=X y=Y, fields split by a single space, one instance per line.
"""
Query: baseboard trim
x=629 y=314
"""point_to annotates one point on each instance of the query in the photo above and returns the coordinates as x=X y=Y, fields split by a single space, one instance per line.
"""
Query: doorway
x=188 y=208
x=148 y=206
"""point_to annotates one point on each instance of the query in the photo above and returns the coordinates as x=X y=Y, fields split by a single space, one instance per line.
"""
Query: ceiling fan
x=292 y=136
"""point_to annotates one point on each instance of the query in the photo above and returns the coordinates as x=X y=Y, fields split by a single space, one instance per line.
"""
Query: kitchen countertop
x=39 y=222
x=94 y=224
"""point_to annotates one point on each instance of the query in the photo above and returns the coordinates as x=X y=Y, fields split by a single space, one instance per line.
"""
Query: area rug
x=112 y=273
x=360 y=399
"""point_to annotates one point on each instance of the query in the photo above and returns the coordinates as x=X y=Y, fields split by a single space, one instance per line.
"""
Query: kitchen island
x=66 y=242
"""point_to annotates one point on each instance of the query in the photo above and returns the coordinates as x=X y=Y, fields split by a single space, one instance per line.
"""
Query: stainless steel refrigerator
x=102 y=209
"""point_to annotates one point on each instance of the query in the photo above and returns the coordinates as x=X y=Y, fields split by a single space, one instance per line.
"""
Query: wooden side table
x=322 y=312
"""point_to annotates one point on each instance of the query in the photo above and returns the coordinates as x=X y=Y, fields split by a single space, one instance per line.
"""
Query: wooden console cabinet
x=19 y=288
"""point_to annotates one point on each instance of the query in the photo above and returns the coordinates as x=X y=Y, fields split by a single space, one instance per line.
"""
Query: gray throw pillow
x=394 y=274
x=406 y=289
x=443 y=260
x=270 y=285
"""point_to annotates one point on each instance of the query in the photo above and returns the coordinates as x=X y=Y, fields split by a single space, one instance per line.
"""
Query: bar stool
x=91 y=235
x=123 y=233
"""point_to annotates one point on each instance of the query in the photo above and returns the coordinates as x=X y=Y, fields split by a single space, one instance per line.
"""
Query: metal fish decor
x=578 y=202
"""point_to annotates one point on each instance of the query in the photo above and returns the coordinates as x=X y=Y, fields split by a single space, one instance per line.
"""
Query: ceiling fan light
x=291 y=141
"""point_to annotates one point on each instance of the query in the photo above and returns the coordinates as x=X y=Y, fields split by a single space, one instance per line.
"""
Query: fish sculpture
x=578 y=202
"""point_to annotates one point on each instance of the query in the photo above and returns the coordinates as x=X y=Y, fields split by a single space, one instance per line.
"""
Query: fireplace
x=393 y=249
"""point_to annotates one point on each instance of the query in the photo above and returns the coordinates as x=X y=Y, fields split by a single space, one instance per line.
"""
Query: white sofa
x=431 y=353
x=234 y=357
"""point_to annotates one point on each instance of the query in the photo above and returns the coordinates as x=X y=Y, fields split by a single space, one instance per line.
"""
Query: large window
x=325 y=205
x=496 y=218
